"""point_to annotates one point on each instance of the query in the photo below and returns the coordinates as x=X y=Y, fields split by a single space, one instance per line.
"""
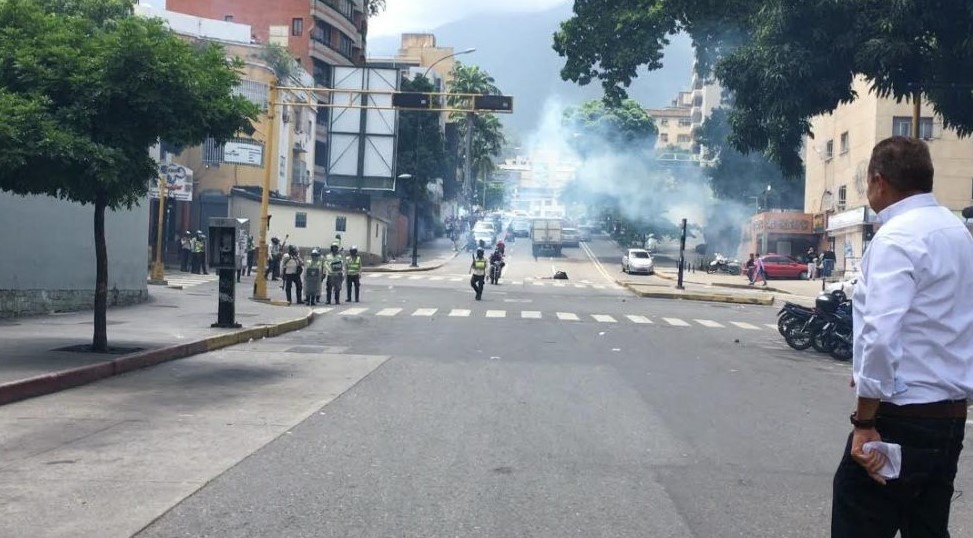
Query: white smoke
x=644 y=190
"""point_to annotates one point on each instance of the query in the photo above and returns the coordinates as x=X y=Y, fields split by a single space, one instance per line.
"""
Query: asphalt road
x=543 y=410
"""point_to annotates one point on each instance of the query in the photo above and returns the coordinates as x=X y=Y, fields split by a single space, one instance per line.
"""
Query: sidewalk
x=432 y=255
x=173 y=324
x=800 y=288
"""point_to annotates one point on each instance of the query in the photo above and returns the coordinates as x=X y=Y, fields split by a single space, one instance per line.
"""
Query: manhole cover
x=86 y=348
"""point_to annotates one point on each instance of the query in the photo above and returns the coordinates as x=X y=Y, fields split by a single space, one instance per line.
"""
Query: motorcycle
x=722 y=264
x=826 y=327
x=496 y=268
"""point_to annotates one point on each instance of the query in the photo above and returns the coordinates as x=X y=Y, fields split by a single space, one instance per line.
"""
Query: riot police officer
x=353 y=271
x=478 y=268
x=313 y=274
x=334 y=265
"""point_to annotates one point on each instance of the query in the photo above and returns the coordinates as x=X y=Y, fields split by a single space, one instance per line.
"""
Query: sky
x=402 y=16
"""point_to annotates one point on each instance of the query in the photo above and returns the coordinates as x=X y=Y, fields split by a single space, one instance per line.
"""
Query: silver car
x=638 y=260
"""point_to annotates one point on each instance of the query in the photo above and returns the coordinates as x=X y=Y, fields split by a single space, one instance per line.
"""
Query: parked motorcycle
x=827 y=327
x=722 y=264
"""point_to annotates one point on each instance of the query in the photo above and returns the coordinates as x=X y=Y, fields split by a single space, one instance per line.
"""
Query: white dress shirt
x=913 y=307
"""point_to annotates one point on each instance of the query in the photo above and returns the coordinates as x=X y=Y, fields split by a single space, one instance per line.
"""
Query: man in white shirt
x=913 y=354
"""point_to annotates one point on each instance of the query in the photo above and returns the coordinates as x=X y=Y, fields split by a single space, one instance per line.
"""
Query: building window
x=297 y=27
x=842 y=197
x=344 y=45
x=684 y=122
x=902 y=126
x=257 y=93
x=340 y=224
x=228 y=18
x=844 y=142
x=829 y=150
x=322 y=33
x=664 y=138
x=320 y=153
x=664 y=122
x=322 y=72
x=682 y=139
x=300 y=220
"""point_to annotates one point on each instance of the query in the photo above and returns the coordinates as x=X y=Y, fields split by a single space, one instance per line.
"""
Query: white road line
x=602 y=318
x=639 y=319
x=517 y=282
x=425 y=312
x=496 y=313
x=567 y=316
x=530 y=314
x=373 y=275
x=744 y=325
x=598 y=287
x=456 y=280
x=395 y=277
x=771 y=326
x=538 y=283
x=416 y=277
x=676 y=322
x=597 y=263
x=709 y=323
x=388 y=312
x=459 y=313
x=580 y=286
x=352 y=312
x=321 y=311
x=436 y=278
x=558 y=284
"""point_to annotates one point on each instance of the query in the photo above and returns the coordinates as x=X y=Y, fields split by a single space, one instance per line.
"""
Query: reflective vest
x=198 y=245
x=334 y=264
x=479 y=267
x=354 y=265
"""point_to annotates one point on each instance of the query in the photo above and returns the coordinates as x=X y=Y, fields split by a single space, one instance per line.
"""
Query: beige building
x=675 y=125
x=837 y=159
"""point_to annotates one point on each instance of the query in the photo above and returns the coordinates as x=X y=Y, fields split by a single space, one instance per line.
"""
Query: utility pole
x=260 y=283
x=158 y=268
x=468 y=164
x=916 y=113
x=682 y=256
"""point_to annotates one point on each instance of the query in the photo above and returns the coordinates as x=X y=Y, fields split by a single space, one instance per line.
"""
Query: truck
x=545 y=236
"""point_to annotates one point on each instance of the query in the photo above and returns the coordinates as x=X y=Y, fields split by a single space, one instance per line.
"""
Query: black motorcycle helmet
x=827 y=303
x=839 y=296
x=479 y=253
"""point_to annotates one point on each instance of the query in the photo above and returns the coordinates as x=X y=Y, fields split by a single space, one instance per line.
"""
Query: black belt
x=943 y=409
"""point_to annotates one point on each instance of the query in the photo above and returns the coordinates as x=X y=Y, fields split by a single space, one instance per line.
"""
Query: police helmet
x=334 y=247
x=315 y=252
x=188 y=232
x=199 y=232
x=354 y=249
x=274 y=240
x=479 y=252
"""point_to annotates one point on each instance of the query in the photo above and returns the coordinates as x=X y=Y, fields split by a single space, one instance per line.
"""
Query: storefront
x=788 y=233
x=848 y=235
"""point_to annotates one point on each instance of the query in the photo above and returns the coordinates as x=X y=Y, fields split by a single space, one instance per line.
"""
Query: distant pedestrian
x=274 y=259
x=251 y=254
x=334 y=266
x=241 y=254
x=913 y=356
x=749 y=266
x=478 y=269
x=759 y=270
x=185 y=251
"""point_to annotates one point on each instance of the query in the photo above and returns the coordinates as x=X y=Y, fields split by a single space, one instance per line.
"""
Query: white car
x=847 y=286
x=638 y=260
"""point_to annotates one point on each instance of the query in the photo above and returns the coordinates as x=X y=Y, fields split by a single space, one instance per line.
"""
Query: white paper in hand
x=893 y=457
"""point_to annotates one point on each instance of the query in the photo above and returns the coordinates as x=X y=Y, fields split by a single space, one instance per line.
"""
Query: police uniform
x=199 y=254
x=293 y=266
x=313 y=274
x=334 y=266
x=479 y=268
x=353 y=268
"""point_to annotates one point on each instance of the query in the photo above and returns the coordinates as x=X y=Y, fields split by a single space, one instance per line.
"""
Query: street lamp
x=415 y=201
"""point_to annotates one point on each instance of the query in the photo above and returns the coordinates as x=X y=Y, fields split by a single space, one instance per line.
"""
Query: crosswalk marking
x=567 y=316
x=580 y=286
x=373 y=275
x=425 y=312
x=639 y=319
x=353 y=311
x=456 y=280
x=538 y=283
x=459 y=313
x=745 y=325
x=388 y=312
x=603 y=318
x=558 y=284
x=496 y=313
x=771 y=326
x=676 y=322
x=598 y=287
x=436 y=278
x=530 y=314
x=395 y=277
x=709 y=323
x=322 y=311
x=416 y=277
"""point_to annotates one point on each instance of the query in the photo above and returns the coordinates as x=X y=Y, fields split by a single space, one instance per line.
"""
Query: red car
x=778 y=266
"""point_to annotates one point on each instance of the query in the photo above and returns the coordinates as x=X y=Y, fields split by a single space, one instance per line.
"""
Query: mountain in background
x=516 y=50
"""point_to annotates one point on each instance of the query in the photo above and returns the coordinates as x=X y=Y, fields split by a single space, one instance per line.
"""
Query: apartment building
x=675 y=125
x=837 y=158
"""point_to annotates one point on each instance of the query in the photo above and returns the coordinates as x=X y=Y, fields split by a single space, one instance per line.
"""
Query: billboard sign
x=179 y=182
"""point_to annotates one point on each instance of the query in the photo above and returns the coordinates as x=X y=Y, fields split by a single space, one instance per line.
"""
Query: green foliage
x=374 y=7
x=421 y=150
x=741 y=178
x=622 y=127
x=280 y=60
x=786 y=61
x=86 y=89
x=488 y=136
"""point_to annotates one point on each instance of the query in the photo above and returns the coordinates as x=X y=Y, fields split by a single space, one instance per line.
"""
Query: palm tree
x=488 y=139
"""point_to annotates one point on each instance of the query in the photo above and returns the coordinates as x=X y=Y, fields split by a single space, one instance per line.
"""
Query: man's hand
x=873 y=461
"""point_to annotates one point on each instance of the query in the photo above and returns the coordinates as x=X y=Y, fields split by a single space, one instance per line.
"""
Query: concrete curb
x=714 y=297
x=410 y=269
x=725 y=285
x=75 y=377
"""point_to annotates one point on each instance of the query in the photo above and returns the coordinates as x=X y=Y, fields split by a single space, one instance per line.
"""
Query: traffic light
x=499 y=103
x=411 y=100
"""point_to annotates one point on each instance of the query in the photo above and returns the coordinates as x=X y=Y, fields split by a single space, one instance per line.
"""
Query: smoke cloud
x=643 y=189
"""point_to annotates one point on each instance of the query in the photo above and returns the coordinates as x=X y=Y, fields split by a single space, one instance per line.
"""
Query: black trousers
x=184 y=255
x=477 y=282
x=917 y=503
x=290 y=280
x=250 y=261
x=273 y=268
x=332 y=286
x=353 y=280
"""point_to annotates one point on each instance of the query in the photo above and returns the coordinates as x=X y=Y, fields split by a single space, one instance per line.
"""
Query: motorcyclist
x=501 y=247
x=496 y=258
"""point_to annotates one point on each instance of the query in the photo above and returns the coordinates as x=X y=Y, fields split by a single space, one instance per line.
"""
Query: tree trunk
x=99 y=342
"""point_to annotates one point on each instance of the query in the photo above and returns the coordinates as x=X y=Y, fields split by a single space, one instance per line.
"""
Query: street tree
x=623 y=127
x=421 y=151
x=785 y=61
x=488 y=135
x=85 y=89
